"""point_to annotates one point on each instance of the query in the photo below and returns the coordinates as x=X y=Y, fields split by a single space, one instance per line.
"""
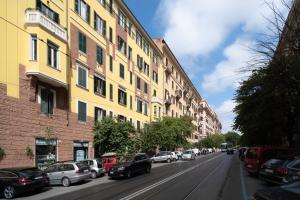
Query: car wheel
x=168 y=160
x=9 y=192
x=93 y=174
x=66 y=182
x=128 y=175
x=148 y=169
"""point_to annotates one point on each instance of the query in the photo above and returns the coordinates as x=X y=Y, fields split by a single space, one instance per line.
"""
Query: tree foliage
x=110 y=136
x=232 y=137
x=211 y=141
x=168 y=133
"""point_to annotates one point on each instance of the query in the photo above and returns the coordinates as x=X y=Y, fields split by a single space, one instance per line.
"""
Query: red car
x=256 y=156
x=108 y=160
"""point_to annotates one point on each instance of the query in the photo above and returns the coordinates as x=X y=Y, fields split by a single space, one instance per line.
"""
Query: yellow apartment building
x=65 y=64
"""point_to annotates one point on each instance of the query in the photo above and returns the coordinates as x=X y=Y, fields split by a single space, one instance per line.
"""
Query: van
x=256 y=156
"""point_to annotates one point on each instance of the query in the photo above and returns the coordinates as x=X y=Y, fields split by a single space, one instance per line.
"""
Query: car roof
x=17 y=169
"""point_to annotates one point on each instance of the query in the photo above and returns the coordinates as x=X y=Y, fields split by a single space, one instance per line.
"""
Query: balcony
x=168 y=100
x=178 y=94
x=36 y=17
x=157 y=100
x=168 y=69
x=186 y=89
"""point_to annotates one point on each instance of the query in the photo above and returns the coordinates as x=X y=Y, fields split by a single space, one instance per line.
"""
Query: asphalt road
x=203 y=178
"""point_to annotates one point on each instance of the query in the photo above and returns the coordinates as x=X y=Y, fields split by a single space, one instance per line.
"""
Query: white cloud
x=226 y=115
x=196 y=27
x=227 y=73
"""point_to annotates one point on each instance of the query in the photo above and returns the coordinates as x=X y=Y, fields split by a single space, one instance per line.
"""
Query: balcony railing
x=168 y=69
x=36 y=17
x=168 y=100
x=157 y=100
x=178 y=94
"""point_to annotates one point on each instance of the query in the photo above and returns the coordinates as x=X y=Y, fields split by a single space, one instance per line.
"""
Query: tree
x=168 y=133
x=110 y=136
x=232 y=137
x=268 y=102
x=211 y=141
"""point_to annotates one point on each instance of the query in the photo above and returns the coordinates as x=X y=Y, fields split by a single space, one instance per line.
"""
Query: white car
x=188 y=155
x=196 y=151
x=210 y=150
x=162 y=156
x=179 y=154
x=174 y=156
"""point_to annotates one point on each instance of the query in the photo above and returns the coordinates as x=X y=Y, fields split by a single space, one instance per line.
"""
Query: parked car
x=162 y=156
x=130 y=165
x=96 y=167
x=14 y=181
x=256 y=156
x=274 y=171
x=67 y=173
x=196 y=151
x=203 y=151
x=293 y=170
x=179 y=154
x=174 y=156
x=286 y=192
x=108 y=160
x=188 y=155
x=209 y=150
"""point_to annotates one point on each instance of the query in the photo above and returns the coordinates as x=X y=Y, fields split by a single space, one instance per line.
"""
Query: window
x=155 y=58
x=122 y=46
x=145 y=108
x=111 y=6
x=82 y=42
x=155 y=77
x=82 y=76
x=47 y=11
x=138 y=83
x=154 y=93
x=111 y=94
x=122 y=97
x=99 y=25
x=122 y=19
x=146 y=88
x=33 y=46
x=103 y=3
x=110 y=34
x=111 y=114
x=139 y=39
x=139 y=62
x=139 y=105
x=122 y=72
x=99 y=55
x=129 y=53
x=146 y=47
x=130 y=77
x=121 y=118
x=159 y=111
x=146 y=68
x=172 y=84
x=53 y=55
x=130 y=102
x=111 y=63
x=129 y=29
x=82 y=108
x=155 y=110
x=99 y=114
x=83 y=9
x=47 y=101
x=138 y=125
x=99 y=85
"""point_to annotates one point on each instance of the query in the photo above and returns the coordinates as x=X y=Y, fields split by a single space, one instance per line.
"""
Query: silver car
x=96 y=167
x=67 y=173
x=188 y=155
x=163 y=156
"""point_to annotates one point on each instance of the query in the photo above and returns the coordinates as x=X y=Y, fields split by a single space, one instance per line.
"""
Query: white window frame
x=52 y=45
x=33 y=50
x=100 y=25
x=100 y=107
x=78 y=65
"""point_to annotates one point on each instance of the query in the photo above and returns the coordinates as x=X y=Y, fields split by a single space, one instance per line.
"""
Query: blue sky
x=211 y=39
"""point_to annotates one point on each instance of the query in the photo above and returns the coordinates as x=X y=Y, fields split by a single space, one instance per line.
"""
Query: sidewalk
x=238 y=184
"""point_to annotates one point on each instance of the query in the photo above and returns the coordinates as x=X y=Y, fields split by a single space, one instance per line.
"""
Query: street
x=212 y=176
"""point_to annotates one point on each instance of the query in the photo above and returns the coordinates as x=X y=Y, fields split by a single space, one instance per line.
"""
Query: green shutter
x=104 y=88
x=50 y=102
x=81 y=111
x=119 y=96
x=125 y=98
x=44 y=101
x=88 y=13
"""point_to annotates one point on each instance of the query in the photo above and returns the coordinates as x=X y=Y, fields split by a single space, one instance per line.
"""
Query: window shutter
x=51 y=102
x=104 y=113
x=95 y=21
x=104 y=28
x=38 y=4
x=95 y=84
x=44 y=101
x=104 y=88
x=80 y=41
x=76 y=6
x=95 y=114
x=119 y=96
x=84 y=43
x=88 y=13
x=125 y=98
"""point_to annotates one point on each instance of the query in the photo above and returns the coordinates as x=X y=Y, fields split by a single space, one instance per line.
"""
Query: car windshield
x=124 y=159
x=187 y=152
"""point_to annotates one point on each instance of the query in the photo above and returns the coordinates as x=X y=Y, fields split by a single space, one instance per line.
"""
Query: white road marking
x=150 y=187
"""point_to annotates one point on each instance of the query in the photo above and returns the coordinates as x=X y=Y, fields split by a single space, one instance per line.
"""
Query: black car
x=15 y=181
x=286 y=192
x=129 y=165
x=274 y=171
x=230 y=151
x=293 y=170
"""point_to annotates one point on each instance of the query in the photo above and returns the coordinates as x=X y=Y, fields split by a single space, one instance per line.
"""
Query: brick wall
x=21 y=122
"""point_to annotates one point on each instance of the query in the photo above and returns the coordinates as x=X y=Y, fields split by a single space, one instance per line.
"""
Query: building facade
x=66 y=64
